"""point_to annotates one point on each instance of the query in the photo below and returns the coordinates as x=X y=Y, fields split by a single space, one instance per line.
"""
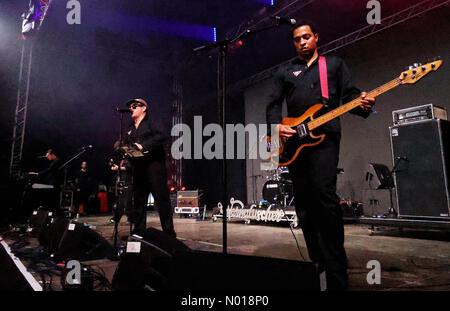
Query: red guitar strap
x=323 y=76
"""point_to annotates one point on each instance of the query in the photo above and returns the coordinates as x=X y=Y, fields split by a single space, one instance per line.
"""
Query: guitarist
x=149 y=170
x=314 y=171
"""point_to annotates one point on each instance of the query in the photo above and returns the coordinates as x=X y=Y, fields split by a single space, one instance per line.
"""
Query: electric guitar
x=287 y=151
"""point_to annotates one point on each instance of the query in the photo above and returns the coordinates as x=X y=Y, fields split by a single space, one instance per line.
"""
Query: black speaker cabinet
x=70 y=240
x=159 y=262
x=420 y=153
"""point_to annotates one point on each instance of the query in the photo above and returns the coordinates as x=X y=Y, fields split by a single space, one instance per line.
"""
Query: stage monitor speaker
x=161 y=262
x=71 y=240
x=420 y=153
x=40 y=218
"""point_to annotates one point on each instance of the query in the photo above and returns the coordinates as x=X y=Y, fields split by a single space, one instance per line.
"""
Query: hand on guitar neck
x=366 y=102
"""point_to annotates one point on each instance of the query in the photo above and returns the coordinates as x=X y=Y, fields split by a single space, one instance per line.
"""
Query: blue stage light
x=267 y=2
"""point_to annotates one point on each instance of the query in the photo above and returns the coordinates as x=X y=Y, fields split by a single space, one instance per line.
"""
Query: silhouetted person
x=50 y=176
x=84 y=188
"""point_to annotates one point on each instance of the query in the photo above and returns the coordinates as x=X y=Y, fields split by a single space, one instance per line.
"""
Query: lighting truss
x=387 y=22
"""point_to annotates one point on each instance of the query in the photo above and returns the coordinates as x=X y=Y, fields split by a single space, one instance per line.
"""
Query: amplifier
x=421 y=156
x=418 y=113
x=188 y=202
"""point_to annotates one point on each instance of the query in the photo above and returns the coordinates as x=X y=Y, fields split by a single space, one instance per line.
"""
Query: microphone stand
x=392 y=210
x=117 y=212
x=223 y=46
x=65 y=167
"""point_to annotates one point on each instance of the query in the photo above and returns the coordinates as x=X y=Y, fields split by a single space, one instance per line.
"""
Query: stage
x=409 y=259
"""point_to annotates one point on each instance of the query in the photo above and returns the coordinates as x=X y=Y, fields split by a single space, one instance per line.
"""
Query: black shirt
x=300 y=86
x=151 y=139
x=52 y=174
x=83 y=181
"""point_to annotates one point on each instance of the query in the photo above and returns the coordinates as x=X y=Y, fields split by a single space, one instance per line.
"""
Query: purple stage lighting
x=143 y=24
x=267 y=2
x=32 y=20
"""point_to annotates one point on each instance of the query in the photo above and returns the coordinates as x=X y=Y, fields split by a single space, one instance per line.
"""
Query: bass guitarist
x=313 y=171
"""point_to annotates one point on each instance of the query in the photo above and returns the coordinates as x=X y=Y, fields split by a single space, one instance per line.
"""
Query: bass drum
x=275 y=191
x=283 y=171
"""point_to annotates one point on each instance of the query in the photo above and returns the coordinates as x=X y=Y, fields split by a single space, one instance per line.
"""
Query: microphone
x=284 y=20
x=41 y=157
x=122 y=110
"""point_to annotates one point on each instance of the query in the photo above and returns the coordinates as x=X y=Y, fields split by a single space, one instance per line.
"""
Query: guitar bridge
x=302 y=131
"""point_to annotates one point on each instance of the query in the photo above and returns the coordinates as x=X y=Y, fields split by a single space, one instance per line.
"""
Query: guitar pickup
x=302 y=131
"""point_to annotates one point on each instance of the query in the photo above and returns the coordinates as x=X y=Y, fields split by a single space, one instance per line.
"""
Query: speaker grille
x=420 y=153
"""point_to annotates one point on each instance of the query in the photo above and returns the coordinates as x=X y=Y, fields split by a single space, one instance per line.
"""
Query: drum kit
x=278 y=189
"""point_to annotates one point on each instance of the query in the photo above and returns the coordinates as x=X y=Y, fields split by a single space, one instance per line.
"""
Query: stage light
x=215 y=34
x=236 y=46
x=267 y=2
x=33 y=18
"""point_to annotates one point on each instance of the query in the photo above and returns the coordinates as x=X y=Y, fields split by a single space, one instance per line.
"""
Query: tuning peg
x=405 y=74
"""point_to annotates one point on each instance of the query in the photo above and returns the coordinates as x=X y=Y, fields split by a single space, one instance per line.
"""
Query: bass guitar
x=287 y=151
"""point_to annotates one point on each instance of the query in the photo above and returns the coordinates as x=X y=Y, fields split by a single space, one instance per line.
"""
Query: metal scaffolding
x=20 y=119
x=177 y=118
x=263 y=16
x=388 y=22
x=32 y=22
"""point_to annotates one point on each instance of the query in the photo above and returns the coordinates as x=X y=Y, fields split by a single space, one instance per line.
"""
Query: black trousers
x=150 y=176
x=124 y=202
x=314 y=175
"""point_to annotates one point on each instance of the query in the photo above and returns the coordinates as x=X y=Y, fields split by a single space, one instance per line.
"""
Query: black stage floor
x=410 y=259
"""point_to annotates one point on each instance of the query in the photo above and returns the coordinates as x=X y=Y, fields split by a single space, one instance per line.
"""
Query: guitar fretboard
x=351 y=105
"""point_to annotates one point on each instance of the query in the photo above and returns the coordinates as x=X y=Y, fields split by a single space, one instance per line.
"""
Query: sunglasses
x=134 y=106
